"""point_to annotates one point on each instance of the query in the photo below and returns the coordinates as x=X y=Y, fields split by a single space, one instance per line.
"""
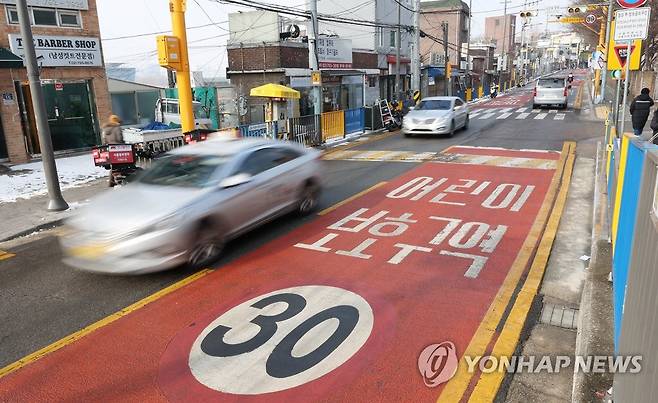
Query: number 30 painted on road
x=281 y=340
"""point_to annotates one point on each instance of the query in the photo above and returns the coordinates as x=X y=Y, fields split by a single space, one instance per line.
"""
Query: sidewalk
x=23 y=194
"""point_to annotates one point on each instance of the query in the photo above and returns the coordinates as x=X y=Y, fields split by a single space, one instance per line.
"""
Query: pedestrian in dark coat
x=640 y=110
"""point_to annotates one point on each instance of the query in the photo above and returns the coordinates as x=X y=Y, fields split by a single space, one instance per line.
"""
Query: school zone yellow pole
x=183 y=81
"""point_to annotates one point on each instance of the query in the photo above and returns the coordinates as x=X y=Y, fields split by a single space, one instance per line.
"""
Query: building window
x=497 y=22
x=69 y=19
x=392 y=38
x=12 y=15
x=380 y=36
x=44 y=16
x=49 y=17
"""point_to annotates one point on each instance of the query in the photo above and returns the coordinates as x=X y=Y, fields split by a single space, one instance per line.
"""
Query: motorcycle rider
x=494 y=90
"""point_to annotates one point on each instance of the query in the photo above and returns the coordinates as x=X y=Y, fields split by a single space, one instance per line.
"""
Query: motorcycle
x=119 y=159
x=494 y=93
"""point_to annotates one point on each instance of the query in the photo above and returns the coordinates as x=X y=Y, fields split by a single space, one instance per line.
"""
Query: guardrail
x=305 y=130
x=355 y=120
x=333 y=125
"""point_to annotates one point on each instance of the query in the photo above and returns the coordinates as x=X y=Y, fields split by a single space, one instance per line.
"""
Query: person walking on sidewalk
x=112 y=133
x=640 y=110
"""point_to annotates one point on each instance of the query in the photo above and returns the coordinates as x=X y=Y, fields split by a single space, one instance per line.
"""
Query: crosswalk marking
x=523 y=115
x=410 y=156
x=505 y=110
x=504 y=115
x=541 y=116
x=474 y=114
x=487 y=115
x=518 y=114
x=553 y=111
x=522 y=109
x=560 y=116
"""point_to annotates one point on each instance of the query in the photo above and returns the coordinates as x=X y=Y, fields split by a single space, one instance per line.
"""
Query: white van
x=167 y=111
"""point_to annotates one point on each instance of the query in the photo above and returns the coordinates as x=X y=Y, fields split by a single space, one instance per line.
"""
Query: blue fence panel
x=461 y=94
x=355 y=120
x=625 y=231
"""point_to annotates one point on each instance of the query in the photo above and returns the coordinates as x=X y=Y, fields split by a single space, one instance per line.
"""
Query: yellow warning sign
x=617 y=56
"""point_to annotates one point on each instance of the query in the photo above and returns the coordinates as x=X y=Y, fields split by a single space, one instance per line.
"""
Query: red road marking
x=515 y=100
x=417 y=300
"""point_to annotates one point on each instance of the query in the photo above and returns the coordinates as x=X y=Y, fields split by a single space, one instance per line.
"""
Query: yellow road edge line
x=6 y=255
x=456 y=387
x=375 y=137
x=349 y=199
x=73 y=337
x=488 y=384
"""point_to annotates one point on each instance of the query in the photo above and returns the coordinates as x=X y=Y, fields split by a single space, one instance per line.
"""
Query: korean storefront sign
x=68 y=4
x=62 y=51
x=334 y=53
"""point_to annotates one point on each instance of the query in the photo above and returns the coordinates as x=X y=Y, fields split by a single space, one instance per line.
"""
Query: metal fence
x=635 y=271
x=333 y=125
x=355 y=120
x=305 y=130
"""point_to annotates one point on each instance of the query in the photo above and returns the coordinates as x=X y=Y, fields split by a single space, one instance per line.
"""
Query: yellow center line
x=454 y=390
x=488 y=384
x=99 y=324
x=349 y=199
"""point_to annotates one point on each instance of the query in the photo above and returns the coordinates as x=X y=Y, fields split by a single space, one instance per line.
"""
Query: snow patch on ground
x=27 y=180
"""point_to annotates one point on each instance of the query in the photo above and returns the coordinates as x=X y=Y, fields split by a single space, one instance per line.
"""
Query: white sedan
x=436 y=115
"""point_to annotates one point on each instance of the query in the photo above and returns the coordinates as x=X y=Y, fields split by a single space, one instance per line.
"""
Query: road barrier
x=305 y=130
x=333 y=125
x=355 y=120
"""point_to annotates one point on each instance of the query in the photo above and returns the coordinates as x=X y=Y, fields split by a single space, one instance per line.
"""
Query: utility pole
x=444 y=27
x=183 y=81
x=468 y=45
x=313 y=55
x=604 y=72
x=415 y=54
x=55 y=200
x=398 y=88
x=504 y=61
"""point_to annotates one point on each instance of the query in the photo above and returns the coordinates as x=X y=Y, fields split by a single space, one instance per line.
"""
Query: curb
x=592 y=337
x=45 y=226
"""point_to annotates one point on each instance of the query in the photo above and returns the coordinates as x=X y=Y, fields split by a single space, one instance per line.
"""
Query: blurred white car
x=436 y=115
x=190 y=203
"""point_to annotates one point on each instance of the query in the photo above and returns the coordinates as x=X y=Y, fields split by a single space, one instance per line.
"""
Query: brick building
x=456 y=14
x=68 y=46
x=499 y=31
x=350 y=77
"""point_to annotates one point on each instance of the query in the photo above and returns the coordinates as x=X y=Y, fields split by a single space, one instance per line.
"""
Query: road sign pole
x=55 y=199
x=623 y=105
x=604 y=73
x=615 y=107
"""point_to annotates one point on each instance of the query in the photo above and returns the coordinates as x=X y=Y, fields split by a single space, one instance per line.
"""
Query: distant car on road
x=551 y=91
x=436 y=115
x=190 y=203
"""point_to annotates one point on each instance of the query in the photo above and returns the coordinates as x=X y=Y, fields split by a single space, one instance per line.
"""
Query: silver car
x=436 y=115
x=189 y=204
x=551 y=91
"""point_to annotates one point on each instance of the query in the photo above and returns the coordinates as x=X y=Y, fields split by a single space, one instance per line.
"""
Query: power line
x=116 y=38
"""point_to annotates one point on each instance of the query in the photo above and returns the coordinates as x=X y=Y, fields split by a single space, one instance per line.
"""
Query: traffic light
x=573 y=10
x=526 y=14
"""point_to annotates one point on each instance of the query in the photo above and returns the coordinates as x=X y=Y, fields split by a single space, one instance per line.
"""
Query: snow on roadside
x=28 y=180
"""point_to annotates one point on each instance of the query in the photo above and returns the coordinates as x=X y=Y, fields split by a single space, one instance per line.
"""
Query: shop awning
x=274 y=91
x=9 y=60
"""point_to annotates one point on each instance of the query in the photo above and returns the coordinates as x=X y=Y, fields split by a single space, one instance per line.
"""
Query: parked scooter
x=494 y=91
x=119 y=159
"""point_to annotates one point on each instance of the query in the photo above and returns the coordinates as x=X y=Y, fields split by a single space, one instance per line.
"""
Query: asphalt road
x=43 y=300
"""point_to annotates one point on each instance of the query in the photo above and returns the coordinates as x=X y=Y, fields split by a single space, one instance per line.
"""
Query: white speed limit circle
x=281 y=340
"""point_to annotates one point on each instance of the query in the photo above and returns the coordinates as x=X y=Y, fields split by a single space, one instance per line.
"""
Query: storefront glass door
x=70 y=115
x=3 y=144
